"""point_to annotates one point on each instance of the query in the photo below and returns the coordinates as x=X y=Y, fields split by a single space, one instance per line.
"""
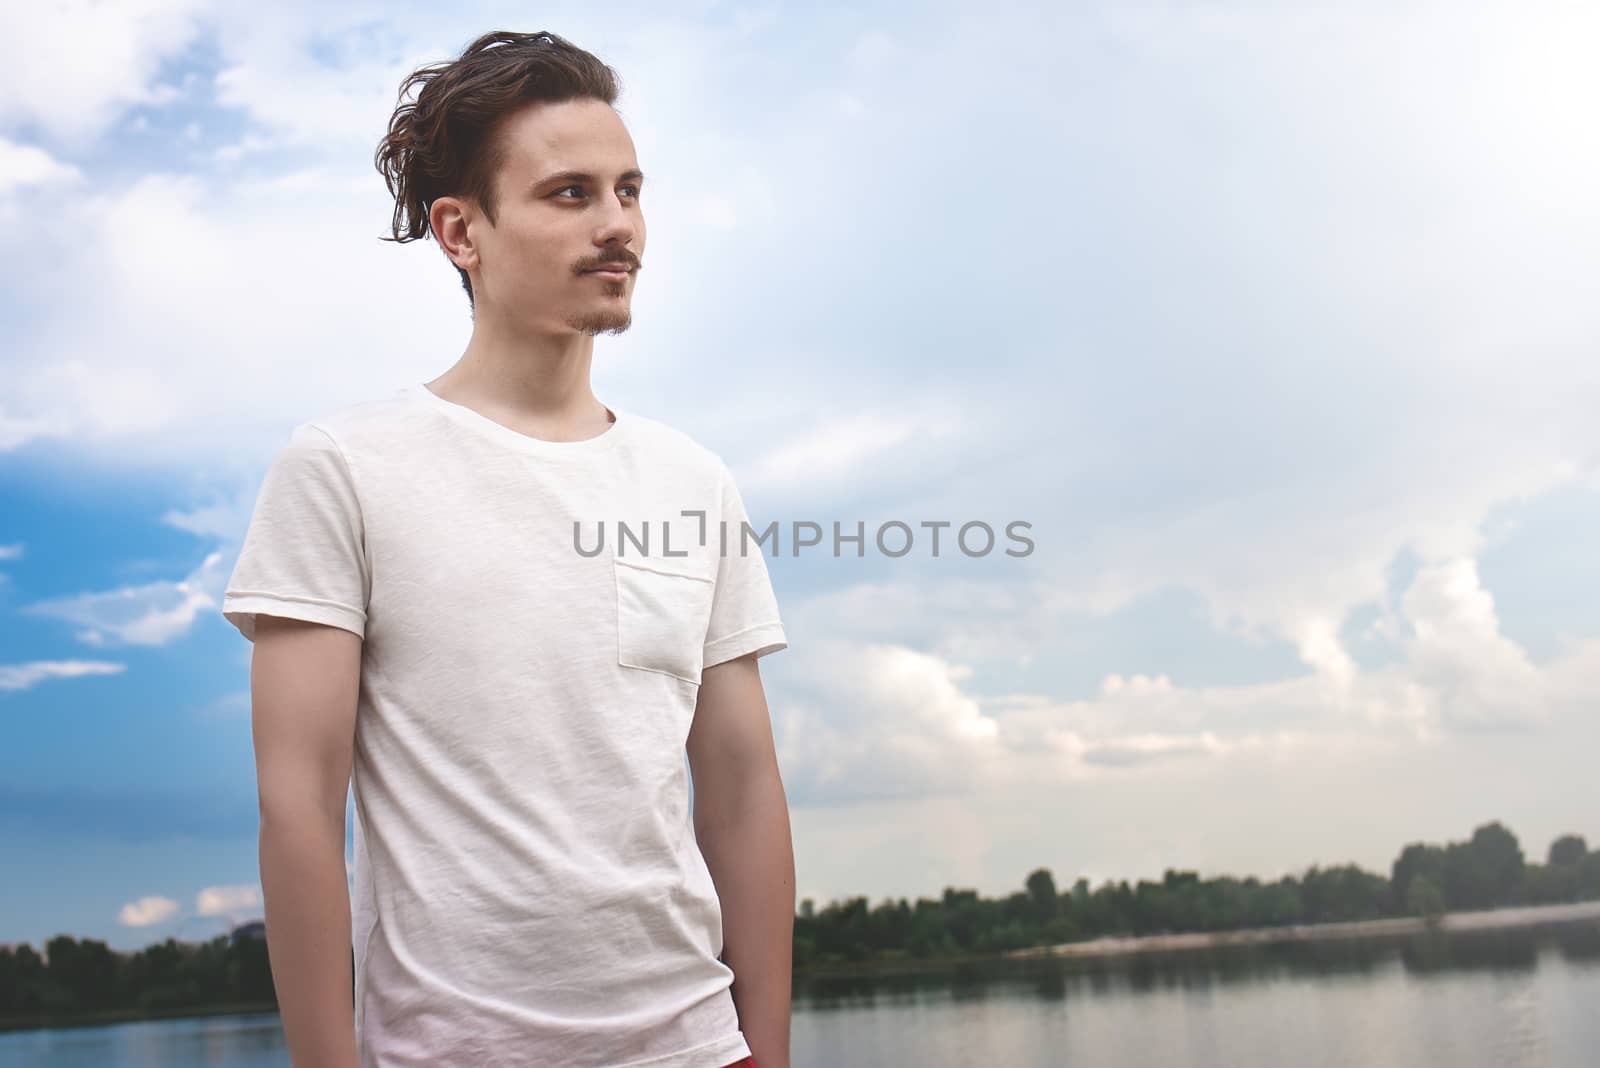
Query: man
x=435 y=625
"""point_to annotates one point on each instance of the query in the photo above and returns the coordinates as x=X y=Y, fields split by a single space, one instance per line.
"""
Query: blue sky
x=1279 y=326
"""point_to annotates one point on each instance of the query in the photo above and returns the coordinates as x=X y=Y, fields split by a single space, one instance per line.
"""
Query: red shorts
x=747 y=1062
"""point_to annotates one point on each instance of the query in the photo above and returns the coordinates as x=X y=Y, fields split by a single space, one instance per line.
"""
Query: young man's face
x=536 y=263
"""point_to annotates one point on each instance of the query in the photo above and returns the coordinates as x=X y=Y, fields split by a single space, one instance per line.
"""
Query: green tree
x=1042 y=889
x=1334 y=895
x=1424 y=898
x=1567 y=851
x=1485 y=871
x=1589 y=877
x=1416 y=859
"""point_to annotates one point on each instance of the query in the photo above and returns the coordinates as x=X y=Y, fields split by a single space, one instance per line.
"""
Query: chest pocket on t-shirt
x=662 y=616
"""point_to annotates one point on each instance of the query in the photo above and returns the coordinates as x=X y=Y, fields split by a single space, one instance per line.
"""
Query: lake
x=1496 y=1000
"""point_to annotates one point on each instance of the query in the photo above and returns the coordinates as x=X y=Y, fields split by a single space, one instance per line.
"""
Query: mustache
x=611 y=265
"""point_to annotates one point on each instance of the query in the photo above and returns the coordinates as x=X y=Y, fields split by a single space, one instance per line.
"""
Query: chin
x=610 y=321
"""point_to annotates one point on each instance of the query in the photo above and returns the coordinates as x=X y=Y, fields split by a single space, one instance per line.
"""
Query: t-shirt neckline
x=477 y=421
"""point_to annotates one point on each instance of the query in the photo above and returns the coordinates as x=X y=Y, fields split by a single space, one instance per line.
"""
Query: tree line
x=1488 y=870
x=82 y=977
x=77 y=978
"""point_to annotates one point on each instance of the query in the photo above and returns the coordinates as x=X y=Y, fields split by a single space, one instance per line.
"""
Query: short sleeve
x=744 y=609
x=304 y=554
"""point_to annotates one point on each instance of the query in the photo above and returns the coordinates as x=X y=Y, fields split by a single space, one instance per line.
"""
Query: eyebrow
x=579 y=176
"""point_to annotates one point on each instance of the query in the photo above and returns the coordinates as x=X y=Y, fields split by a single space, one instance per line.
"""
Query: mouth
x=611 y=274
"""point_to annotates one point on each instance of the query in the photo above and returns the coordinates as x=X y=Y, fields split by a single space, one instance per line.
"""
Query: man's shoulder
x=360 y=420
x=671 y=443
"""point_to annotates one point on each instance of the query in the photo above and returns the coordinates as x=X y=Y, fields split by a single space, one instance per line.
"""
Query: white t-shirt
x=528 y=888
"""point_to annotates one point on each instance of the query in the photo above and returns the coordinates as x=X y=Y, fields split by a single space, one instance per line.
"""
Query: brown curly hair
x=447 y=142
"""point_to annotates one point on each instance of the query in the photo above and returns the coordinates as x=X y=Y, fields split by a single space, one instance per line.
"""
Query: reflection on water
x=1513 y=999
x=1493 y=951
x=253 y=1040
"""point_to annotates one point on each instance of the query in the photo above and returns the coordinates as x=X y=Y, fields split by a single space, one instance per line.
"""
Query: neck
x=539 y=385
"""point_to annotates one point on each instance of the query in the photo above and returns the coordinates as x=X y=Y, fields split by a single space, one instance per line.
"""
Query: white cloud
x=16 y=431
x=224 y=520
x=338 y=95
x=154 y=613
x=227 y=900
x=843 y=449
x=11 y=552
x=26 y=676
x=27 y=165
x=861 y=717
x=1259 y=780
x=241 y=148
x=1137 y=686
x=858 y=721
x=954 y=618
x=75 y=66
x=1478 y=676
x=124 y=388
x=147 y=911
x=1262 y=809
x=881 y=721
x=232 y=706
x=1321 y=648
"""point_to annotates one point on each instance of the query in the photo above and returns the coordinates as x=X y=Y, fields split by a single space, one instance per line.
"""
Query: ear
x=447 y=218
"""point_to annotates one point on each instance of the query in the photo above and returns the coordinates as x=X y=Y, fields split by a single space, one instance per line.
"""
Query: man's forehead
x=554 y=139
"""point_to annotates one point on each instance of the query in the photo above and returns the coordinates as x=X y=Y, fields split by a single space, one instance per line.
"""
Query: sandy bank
x=1490 y=920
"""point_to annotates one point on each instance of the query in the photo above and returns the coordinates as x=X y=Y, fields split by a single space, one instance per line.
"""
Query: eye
x=636 y=191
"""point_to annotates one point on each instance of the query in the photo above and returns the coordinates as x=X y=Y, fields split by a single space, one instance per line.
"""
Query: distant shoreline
x=106 y=1017
x=1115 y=948
x=1450 y=922
x=1094 y=948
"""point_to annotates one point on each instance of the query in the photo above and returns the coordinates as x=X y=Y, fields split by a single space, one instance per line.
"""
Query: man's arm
x=304 y=680
x=741 y=820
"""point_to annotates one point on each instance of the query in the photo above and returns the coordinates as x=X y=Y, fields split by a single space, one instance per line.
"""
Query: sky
x=1279 y=325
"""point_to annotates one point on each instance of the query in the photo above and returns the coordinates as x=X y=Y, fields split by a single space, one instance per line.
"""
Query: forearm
x=748 y=849
x=307 y=905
